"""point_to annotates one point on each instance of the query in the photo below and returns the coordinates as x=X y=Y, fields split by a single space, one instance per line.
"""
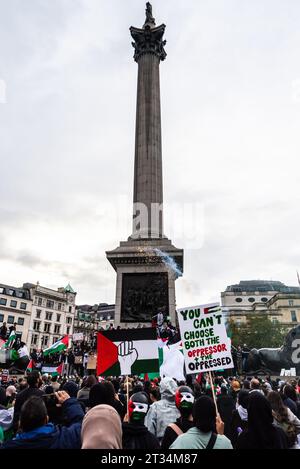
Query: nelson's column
x=145 y=282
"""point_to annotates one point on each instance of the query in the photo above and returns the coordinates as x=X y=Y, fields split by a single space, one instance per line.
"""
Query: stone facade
x=16 y=307
x=52 y=315
x=279 y=302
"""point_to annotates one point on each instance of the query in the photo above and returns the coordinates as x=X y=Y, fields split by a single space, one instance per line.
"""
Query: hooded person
x=163 y=412
x=184 y=400
x=239 y=420
x=104 y=393
x=135 y=433
x=101 y=428
x=261 y=433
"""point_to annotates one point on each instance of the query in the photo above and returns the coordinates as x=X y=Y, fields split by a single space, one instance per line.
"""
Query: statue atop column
x=150 y=21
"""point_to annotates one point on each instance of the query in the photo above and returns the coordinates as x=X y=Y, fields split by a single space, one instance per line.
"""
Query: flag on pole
x=60 y=345
x=10 y=341
x=127 y=352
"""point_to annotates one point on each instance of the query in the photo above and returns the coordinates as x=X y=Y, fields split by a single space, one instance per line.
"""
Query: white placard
x=77 y=337
x=206 y=346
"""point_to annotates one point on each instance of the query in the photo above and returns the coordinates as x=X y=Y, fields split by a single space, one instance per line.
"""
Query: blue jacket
x=53 y=437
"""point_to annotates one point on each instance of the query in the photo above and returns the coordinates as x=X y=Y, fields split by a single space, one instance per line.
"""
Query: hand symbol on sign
x=127 y=356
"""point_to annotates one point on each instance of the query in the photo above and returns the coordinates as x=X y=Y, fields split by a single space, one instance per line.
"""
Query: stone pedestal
x=145 y=283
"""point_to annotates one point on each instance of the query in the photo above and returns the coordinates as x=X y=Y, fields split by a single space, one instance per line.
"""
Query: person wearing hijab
x=261 y=433
x=239 y=420
x=101 y=428
x=104 y=393
x=184 y=400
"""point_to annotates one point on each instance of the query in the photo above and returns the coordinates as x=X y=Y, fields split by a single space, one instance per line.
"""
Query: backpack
x=290 y=431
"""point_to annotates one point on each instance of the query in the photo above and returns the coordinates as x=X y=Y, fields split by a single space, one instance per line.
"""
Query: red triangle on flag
x=107 y=354
x=59 y=369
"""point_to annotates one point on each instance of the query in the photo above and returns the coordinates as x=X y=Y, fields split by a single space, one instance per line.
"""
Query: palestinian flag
x=60 y=345
x=30 y=367
x=214 y=308
x=53 y=370
x=10 y=341
x=127 y=352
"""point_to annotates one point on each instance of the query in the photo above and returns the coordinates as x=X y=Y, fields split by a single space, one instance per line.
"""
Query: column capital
x=148 y=40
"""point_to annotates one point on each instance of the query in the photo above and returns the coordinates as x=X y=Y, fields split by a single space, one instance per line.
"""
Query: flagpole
x=127 y=385
x=213 y=391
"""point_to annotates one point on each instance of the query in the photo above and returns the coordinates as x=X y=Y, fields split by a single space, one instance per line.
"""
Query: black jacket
x=138 y=437
x=20 y=399
x=170 y=436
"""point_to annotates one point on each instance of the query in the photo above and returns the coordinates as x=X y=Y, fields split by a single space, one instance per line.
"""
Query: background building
x=52 y=315
x=90 y=319
x=15 y=307
x=272 y=298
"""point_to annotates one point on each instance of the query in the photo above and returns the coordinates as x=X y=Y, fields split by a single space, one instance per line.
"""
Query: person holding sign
x=208 y=430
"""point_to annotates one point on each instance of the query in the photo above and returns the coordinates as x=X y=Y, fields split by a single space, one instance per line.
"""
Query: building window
x=239 y=300
x=47 y=327
x=38 y=314
x=59 y=306
x=55 y=339
x=10 y=319
x=3 y=301
x=68 y=330
x=58 y=317
x=291 y=302
x=11 y=292
x=40 y=301
x=36 y=325
x=50 y=304
x=21 y=321
x=264 y=299
x=13 y=303
x=57 y=329
x=1 y=290
x=251 y=300
x=34 y=339
x=293 y=316
x=69 y=320
x=274 y=320
x=108 y=318
x=45 y=339
x=19 y=294
x=48 y=316
x=101 y=318
x=70 y=309
x=23 y=306
x=1 y=317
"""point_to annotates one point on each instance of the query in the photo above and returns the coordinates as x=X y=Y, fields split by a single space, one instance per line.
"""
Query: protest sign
x=127 y=352
x=77 y=337
x=206 y=346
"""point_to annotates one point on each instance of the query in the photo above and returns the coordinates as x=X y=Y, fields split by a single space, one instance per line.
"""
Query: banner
x=206 y=346
x=77 y=337
x=127 y=352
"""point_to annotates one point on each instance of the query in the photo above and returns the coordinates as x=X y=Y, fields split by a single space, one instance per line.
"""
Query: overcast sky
x=230 y=90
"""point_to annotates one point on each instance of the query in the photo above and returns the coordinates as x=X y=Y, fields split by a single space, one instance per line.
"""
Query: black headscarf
x=261 y=433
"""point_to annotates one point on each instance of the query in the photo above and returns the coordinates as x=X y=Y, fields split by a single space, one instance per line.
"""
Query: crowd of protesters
x=40 y=411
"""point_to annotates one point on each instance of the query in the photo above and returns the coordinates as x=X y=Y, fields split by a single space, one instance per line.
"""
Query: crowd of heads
x=137 y=413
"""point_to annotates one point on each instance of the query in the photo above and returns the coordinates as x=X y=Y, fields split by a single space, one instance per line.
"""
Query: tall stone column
x=148 y=183
x=145 y=280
